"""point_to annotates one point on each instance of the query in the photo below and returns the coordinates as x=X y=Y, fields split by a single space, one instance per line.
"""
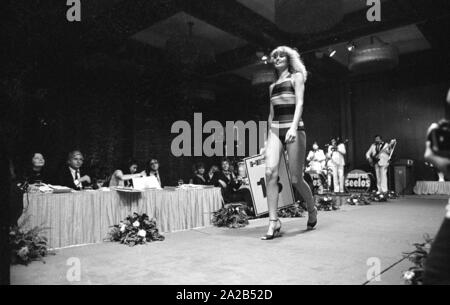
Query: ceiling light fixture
x=374 y=56
x=350 y=46
x=332 y=52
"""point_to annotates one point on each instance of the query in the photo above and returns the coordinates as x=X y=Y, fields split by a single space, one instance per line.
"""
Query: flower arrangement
x=295 y=210
x=414 y=275
x=358 y=199
x=392 y=195
x=136 y=229
x=327 y=203
x=27 y=245
x=231 y=216
x=377 y=196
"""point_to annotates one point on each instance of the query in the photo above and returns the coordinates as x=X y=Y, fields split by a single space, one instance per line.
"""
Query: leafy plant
x=392 y=195
x=358 y=199
x=377 y=196
x=231 y=216
x=27 y=245
x=414 y=275
x=295 y=210
x=136 y=229
x=326 y=203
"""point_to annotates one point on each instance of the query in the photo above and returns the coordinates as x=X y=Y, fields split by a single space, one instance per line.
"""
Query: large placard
x=256 y=173
x=358 y=181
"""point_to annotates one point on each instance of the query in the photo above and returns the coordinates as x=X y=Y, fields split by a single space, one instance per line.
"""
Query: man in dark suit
x=71 y=175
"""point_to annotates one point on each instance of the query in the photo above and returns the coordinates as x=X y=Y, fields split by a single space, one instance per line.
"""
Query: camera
x=439 y=138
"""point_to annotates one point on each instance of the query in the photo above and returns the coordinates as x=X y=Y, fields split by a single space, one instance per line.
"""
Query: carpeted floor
x=337 y=252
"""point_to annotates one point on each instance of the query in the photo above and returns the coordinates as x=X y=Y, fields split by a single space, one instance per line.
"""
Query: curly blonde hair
x=296 y=64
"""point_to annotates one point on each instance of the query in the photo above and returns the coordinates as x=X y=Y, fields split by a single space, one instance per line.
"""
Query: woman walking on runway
x=286 y=132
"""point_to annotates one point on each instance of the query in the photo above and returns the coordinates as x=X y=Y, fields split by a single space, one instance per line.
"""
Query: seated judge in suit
x=242 y=176
x=71 y=175
x=35 y=172
x=213 y=169
x=153 y=170
x=231 y=186
x=199 y=177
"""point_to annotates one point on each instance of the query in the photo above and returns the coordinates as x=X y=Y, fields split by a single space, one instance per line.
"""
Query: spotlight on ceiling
x=350 y=46
x=332 y=52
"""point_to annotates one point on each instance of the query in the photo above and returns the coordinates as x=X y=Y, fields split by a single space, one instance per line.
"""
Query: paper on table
x=146 y=183
x=126 y=189
x=60 y=188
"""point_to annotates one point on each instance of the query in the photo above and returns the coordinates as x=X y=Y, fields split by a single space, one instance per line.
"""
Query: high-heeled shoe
x=311 y=224
x=276 y=231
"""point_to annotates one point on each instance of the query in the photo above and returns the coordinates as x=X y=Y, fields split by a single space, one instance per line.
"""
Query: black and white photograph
x=225 y=148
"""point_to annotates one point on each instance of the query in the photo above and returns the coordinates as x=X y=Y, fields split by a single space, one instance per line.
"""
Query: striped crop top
x=283 y=102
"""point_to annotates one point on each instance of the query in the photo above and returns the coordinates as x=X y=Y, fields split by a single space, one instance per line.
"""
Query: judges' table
x=86 y=216
x=432 y=188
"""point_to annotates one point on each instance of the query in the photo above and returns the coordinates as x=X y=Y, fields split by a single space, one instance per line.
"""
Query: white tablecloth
x=432 y=188
x=86 y=216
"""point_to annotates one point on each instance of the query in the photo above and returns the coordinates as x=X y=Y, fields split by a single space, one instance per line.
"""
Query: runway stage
x=335 y=253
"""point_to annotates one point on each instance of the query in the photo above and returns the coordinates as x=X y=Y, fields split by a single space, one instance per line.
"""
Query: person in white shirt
x=153 y=170
x=125 y=175
x=316 y=158
x=379 y=155
x=336 y=155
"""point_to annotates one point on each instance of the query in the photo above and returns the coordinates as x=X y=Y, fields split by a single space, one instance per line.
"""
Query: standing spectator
x=437 y=265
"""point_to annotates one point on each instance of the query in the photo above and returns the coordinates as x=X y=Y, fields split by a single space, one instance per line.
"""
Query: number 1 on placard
x=262 y=182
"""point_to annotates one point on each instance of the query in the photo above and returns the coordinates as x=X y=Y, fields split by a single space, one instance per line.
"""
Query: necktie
x=77 y=177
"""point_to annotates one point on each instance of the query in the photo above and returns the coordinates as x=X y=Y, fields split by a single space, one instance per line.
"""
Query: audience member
x=72 y=175
x=35 y=173
x=153 y=170
x=231 y=191
x=124 y=175
x=199 y=177
x=437 y=265
x=212 y=170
